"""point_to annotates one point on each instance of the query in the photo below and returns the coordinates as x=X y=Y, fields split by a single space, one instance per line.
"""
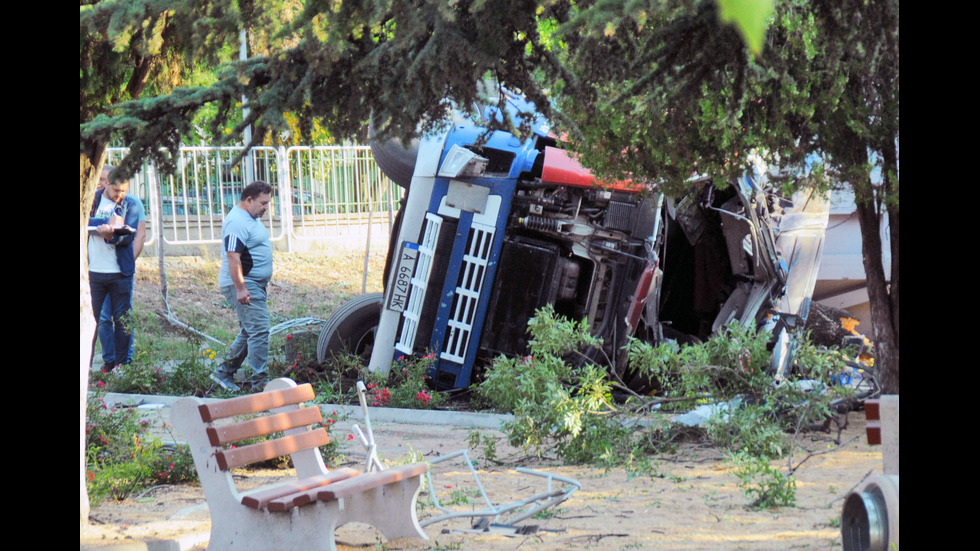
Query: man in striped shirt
x=246 y=268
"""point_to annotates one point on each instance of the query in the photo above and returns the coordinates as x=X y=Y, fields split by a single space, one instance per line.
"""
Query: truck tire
x=351 y=329
x=395 y=160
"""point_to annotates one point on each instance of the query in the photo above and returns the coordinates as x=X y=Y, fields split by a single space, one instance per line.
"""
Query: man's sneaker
x=225 y=381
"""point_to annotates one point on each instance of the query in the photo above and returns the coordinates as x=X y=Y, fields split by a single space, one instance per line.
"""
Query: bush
x=562 y=402
x=768 y=484
x=405 y=386
x=560 y=407
x=121 y=457
x=190 y=377
x=133 y=378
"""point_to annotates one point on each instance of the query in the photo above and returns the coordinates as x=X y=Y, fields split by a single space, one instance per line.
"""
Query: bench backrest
x=293 y=423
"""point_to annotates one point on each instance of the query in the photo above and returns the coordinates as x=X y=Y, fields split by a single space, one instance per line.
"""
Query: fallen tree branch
x=793 y=469
x=175 y=321
x=167 y=313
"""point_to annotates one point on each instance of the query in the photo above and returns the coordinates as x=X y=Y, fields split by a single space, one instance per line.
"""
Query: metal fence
x=322 y=193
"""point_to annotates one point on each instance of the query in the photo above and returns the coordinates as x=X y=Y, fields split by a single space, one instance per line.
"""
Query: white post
x=247 y=176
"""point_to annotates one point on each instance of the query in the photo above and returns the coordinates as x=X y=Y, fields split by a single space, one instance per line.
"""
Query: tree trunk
x=883 y=316
x=89 y=172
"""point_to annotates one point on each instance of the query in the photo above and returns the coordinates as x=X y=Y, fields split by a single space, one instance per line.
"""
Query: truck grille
x=420 y=281
x=467 y=294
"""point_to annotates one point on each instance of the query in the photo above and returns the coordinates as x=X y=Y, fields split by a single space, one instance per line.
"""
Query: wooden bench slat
x=873 y=429
x=261 y=499
x=236 y=457
x=872 y=410
x=368 y=481
x=254 y=403
x=263 y=426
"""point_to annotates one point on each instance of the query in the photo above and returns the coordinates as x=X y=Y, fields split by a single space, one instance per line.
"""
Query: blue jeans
x=118 y=289
x=252 y=341
x=107 y=337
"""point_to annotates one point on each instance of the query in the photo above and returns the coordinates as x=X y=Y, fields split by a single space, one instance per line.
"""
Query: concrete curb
x=183 y=543
x=353 y=413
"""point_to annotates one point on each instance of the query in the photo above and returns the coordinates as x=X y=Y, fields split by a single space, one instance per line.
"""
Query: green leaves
x=751 y=17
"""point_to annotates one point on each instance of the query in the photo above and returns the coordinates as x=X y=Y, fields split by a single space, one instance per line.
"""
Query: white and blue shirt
x=248 y=237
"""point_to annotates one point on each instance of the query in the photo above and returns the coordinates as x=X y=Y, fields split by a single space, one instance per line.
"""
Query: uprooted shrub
x=563 y=403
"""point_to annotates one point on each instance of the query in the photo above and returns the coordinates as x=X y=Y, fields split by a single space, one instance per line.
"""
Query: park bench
x=300 y=514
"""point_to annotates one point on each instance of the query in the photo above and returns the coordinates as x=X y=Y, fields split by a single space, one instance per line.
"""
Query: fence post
x=367 y=246
x=285 y=196
x=152 y=183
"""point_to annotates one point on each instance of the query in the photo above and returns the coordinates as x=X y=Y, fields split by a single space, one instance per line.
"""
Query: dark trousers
x=117 y=289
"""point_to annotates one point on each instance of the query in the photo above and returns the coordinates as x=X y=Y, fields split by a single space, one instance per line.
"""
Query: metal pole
x=367 y=246
x=247 y=175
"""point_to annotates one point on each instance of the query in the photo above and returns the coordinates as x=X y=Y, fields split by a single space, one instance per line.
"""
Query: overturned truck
x=493 y=227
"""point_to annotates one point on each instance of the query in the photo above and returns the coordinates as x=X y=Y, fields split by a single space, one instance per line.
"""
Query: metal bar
x=538 y=502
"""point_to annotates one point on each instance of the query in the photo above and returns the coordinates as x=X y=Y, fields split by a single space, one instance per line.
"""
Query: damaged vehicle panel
x=492 y=228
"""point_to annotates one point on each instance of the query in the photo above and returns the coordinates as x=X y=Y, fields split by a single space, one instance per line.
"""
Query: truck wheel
x=351 y=329
x=395 y=160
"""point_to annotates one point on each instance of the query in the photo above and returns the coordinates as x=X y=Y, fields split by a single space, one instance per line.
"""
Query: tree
x=339 y=63
x=128 y=48
x=661 y=91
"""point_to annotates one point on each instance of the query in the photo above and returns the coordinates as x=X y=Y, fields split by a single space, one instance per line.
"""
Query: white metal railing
x=321 y=192
x=336 y=187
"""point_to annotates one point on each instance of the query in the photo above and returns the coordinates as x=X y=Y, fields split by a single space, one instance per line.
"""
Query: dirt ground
x=693 y=500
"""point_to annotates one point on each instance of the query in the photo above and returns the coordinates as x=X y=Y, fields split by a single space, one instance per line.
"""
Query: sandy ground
x=693 y=501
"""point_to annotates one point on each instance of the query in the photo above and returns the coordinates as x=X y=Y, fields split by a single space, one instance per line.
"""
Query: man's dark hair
x=255 y=189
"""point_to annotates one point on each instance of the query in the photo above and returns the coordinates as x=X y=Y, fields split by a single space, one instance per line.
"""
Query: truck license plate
x=404 y=270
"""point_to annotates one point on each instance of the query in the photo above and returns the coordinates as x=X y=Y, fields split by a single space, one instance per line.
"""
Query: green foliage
x=757 y=477
x=658 y=93
x=405 y=385
x=750 y=16
x=122 y=458
x=762 y=415
x=331 y=451
x=191 y=376
x=134 y=378
x=477 y=440
x=558 y=406
x=128 y=49
x=299 y=358
x=568 y=408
